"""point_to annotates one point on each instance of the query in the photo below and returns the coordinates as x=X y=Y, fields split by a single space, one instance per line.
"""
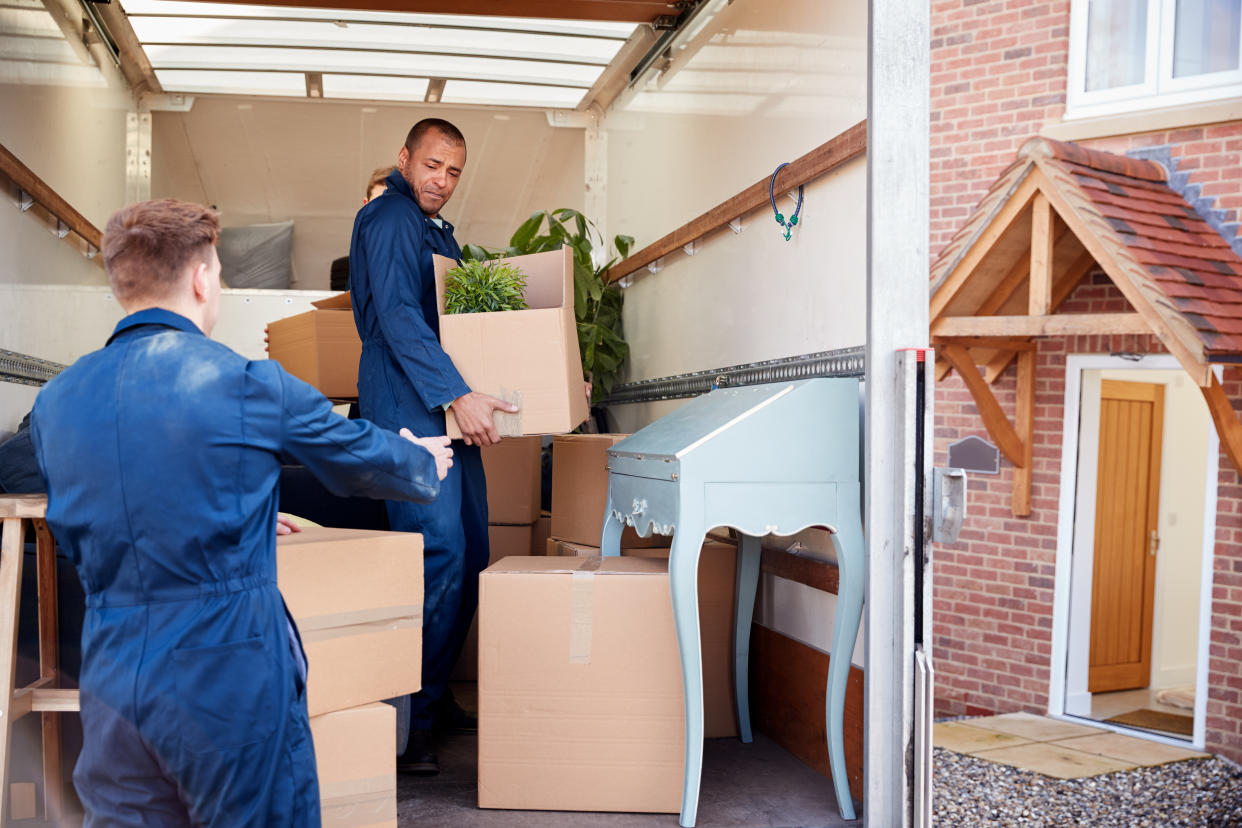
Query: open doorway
x=1134 y=548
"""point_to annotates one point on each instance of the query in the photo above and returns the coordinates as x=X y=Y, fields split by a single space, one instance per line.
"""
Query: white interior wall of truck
x=261 y=161
x=761 y=84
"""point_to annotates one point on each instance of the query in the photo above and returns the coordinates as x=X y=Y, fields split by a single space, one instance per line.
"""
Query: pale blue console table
x=762 y=459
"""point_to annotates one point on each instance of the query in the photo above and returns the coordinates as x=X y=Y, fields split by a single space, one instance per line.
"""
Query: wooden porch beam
x=1062 y=288
x=994 y=419
x=1072 y=324
x=982 y=245
x=1226 y=420
x=1020 y=504
x=985 y=342
x=1039 y=292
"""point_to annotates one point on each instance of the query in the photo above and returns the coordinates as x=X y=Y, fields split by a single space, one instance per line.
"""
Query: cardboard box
x=512 y=468
x=717 y=594
x=357 y=598
x=320 y=347
x=529 y=357
x=580 y=490
x=503 y=542
x=356 y=755
x=540 y=534
x=580 y=699
x=717 y=597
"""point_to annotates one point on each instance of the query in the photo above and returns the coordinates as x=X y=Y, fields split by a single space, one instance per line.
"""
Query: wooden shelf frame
x=825 y=158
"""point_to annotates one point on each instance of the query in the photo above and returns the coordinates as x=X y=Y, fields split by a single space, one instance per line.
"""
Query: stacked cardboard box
x=357 y=597
x=512 y=468
x=320 y=347
x=580 y=700
x=580 y=491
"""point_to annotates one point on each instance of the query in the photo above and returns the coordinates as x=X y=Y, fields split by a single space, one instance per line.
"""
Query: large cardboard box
x=580 y=699
x=503 y=542
x=529 y=357
x=717 y=596
x=357 y=598
x=580 y=490
x=512 y=468
x=320 y=347
x=356 y=755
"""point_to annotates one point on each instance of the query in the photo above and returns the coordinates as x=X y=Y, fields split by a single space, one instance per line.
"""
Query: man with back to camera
x=405 y=376
x=162 y=456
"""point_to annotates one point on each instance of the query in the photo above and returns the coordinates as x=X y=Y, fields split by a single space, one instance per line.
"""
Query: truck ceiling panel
x=632 y=11
x=244 y=58
x=301 y=11
x=200 y=47
x=378 y=37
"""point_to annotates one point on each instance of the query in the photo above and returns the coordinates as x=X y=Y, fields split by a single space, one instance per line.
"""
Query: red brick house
x=1038 y=608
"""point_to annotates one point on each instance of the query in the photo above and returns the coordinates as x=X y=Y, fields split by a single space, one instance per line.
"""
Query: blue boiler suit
x=404 y=377
x=162 y=456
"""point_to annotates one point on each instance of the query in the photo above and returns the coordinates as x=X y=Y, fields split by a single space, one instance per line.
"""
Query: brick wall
x=993 y=589
x=998 y=74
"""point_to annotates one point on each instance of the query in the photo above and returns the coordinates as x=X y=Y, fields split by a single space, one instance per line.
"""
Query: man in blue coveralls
x=162 y=456
x=405 y=377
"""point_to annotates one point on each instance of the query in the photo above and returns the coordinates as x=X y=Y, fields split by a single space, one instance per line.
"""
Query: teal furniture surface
x=763 y=459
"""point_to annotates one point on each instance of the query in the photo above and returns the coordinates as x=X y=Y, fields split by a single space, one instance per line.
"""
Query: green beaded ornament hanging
x=780 y=219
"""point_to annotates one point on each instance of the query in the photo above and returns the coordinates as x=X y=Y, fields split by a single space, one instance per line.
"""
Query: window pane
x=1116 y=43
x=1207 y=36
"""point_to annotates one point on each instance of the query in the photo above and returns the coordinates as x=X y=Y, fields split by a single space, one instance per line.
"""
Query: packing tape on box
x=355 y=802
x=582 y=610
x=508 y=425
x=339 y=624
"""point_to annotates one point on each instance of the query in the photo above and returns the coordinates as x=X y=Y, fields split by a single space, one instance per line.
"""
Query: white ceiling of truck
x=208 y=47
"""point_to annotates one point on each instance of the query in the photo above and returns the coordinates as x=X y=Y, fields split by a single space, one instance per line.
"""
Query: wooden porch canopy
x=1058 y=211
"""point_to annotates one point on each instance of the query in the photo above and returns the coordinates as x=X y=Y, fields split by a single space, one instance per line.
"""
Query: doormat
x=1155 y=720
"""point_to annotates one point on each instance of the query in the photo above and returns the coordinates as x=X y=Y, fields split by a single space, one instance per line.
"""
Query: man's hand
x=284 y=526
x=267 y=346
x=439 y=448
x=473 y=413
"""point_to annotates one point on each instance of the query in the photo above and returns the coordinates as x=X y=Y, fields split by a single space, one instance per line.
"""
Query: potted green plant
x=597 y=304
x=484 y=286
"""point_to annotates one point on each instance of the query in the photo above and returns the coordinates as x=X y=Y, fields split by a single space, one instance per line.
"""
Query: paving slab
x=1054 y=760
x=961 y=737
x=1130 y=749
x=1035 y=728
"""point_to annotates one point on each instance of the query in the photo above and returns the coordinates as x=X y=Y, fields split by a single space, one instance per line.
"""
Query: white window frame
x=1159 y=88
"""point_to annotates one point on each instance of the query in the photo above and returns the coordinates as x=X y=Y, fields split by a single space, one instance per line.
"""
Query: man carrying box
x=162 y=456
x=405 y=377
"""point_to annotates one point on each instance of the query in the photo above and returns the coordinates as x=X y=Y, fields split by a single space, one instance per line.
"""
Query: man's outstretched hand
x=473 y=413
x=439 y=448
x=284 y=526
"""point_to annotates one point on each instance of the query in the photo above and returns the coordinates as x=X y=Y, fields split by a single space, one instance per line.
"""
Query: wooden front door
x=1126 y=511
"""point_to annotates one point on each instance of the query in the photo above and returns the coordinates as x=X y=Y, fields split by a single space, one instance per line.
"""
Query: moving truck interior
x=662 y=121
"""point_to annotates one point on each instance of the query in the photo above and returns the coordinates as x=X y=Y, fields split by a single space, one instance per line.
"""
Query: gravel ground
x=973 y=793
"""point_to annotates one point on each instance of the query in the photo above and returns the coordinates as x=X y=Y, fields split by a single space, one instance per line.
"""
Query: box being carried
x=357 y=598
x=528 y=357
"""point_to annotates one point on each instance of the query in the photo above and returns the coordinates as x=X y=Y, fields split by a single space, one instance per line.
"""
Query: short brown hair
x=416 y=133
x=378 y=178
x=146 y=246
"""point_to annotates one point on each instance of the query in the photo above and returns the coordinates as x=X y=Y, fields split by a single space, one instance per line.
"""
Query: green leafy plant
x=483 y=286
x=597 y=303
